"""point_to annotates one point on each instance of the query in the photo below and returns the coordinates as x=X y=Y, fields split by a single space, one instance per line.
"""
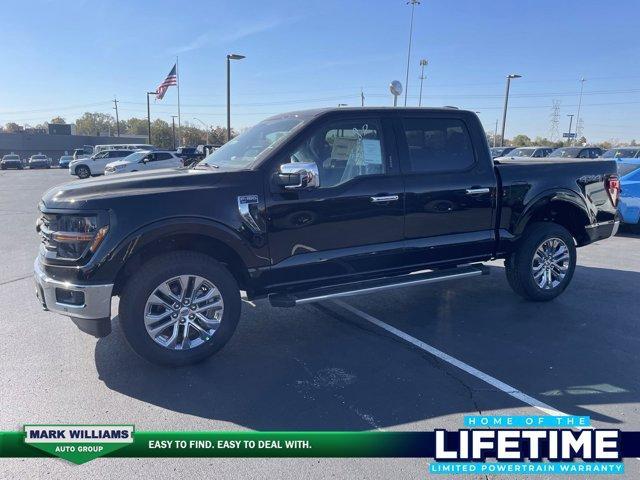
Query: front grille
x=46 y=229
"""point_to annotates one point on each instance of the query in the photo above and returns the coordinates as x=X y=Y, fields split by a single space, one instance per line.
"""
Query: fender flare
x=151 y=232
x=113 y=264
x=545 y=198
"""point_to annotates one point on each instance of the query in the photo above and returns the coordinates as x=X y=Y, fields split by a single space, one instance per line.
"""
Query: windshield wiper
x=208 y=165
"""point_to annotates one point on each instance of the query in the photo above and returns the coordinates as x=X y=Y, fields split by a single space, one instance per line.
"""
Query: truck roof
x=314 y=112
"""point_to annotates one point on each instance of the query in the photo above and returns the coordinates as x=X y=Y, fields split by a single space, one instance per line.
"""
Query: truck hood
x=97 y=193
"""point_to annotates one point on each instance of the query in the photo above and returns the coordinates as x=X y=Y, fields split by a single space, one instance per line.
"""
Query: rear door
x=450 y=187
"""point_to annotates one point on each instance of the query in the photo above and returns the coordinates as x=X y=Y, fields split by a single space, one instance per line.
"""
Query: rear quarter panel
x=529 y=184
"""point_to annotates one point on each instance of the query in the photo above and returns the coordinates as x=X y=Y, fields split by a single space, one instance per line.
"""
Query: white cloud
x=246 y=30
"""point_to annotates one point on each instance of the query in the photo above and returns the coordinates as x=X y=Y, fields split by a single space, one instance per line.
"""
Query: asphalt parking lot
x=469 y=347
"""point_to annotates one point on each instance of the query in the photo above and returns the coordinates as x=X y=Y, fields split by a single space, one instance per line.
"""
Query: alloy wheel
x=183 y=312
x=550 y=263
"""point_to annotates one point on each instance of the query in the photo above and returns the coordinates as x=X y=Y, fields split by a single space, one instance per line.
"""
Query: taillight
x=612 y=185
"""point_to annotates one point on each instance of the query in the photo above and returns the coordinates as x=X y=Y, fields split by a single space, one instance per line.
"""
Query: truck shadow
x=319 y=368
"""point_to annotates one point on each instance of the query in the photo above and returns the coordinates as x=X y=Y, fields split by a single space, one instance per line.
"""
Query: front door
x=352 y=224
x=159 y=160
x=450 y=188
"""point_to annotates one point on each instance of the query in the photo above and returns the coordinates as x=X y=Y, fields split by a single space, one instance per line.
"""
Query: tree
x=94 y=123
x=161 y=134
x=192 y=136
x=59 y=120
x=12 y=127
x=542 y=142
x=581 y=141
x=521 y=141
x=134 y=126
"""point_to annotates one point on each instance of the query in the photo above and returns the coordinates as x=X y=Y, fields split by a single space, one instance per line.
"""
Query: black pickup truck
x=307 y=206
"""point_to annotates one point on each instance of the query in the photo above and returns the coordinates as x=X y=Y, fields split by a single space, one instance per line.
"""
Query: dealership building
x=57 y=142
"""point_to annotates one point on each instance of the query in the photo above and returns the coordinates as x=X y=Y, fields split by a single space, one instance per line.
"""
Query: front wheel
x=83 y=172
x=179 y=308
x=544 y=263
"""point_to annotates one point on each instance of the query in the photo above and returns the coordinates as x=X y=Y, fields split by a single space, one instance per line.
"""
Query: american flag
x=172 y=79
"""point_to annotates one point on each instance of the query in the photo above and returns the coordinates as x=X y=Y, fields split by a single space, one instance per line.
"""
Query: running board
x=376 y=285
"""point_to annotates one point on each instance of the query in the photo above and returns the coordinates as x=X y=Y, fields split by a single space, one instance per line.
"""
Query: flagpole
x=178 y=85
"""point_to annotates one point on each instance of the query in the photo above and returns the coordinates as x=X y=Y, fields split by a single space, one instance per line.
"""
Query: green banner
x=211 y=444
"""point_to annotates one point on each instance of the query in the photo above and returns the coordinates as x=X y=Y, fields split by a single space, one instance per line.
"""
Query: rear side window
x=438 y=145
x=163 y=156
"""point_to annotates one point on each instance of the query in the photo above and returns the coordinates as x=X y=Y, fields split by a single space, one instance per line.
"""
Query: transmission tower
x=579 y=128
x=554 y=129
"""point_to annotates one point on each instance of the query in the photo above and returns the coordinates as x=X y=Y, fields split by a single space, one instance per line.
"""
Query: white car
x=144 y=160
x=95 y=165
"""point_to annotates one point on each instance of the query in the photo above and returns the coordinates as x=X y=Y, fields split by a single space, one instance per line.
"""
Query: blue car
x=629 y=204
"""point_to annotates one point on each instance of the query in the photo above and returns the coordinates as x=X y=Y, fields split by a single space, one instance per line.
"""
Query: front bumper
x=89 y=306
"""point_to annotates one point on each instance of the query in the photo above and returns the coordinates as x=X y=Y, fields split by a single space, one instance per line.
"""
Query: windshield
x=39 y=157
x=621 y=153
x=565 y=152
x=522 y=152
x=241 y=151
x=135 y=157
x=11 y=157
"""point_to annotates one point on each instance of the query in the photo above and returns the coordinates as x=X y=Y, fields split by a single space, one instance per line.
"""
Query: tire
x=527 y=271
x=83 y=171
x=140 y=290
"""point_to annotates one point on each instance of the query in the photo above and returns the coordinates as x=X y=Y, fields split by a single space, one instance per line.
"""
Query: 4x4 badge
x=244 y=201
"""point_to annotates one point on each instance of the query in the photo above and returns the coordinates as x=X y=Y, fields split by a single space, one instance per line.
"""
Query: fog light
x=69 y=297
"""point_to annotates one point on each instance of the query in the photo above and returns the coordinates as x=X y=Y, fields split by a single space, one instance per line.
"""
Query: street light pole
x=506 y=103
x=149 y=116
x=570 y=122
x=423 y=63
x=230 y=57
x=413 y=4
x=206 y=128
x=582 y=80
x=495 y=133
x=115 y=102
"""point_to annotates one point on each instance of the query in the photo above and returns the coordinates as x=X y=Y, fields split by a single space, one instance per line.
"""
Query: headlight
x=71 y=236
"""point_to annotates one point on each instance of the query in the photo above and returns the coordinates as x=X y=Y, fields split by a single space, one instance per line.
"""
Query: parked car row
x=122 y=161
x=34 y=161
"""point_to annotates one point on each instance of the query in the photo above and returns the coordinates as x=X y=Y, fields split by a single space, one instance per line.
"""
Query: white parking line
x=494 y=382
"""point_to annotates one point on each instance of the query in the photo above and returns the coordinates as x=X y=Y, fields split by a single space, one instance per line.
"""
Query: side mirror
x=297 y=175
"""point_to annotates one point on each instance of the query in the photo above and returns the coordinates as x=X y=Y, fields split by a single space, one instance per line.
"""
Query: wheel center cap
x=184 y=312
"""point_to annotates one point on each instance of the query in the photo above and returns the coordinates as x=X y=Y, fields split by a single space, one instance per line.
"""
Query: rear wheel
x=544 y=263
x=179 y=308
x=83 y=172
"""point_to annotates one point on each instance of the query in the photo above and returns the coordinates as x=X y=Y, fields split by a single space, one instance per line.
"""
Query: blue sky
x=74 y=56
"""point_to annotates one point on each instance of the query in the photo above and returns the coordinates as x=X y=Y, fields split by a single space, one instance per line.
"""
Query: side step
x=375 y=285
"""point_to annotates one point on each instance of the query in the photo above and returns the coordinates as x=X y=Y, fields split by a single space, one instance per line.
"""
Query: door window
x=162 y=156
x=343 y=150
x=438 y=145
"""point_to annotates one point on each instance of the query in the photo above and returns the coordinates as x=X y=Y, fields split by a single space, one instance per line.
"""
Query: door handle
x=476 y=191
x=385 y=198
